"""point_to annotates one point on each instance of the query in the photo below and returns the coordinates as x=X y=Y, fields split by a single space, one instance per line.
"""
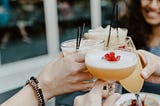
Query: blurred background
x=31 y=32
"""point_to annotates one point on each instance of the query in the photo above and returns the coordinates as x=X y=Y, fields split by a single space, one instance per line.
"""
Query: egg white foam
x=95 y=59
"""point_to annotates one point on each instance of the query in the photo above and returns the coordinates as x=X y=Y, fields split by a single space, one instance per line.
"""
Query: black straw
x=77 y=39
x=114 y=5
x=79 y=36
x=82 y=31
x=117 y=19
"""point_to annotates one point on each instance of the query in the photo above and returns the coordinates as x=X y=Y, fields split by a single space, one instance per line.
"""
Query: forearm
x=25 y=97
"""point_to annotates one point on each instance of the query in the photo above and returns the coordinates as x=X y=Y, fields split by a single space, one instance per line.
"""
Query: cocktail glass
x=111 y=71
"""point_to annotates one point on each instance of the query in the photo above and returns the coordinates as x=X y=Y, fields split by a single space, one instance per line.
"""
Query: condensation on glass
x=22 y=30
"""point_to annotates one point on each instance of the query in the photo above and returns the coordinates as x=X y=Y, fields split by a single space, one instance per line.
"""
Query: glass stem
x=111 y=87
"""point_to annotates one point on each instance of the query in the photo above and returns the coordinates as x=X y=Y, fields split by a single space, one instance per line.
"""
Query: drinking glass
x=134 y=82
x=111 y=71
x=69 y=47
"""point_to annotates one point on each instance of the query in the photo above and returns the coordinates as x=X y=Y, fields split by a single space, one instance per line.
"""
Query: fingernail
x=144 y=74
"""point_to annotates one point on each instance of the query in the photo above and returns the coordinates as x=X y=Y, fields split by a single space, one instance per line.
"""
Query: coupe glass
x=112 y=70
x=106 y=68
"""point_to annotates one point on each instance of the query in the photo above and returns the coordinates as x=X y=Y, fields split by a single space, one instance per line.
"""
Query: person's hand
x=94 y=97
x=151 y=71
x=64 y=75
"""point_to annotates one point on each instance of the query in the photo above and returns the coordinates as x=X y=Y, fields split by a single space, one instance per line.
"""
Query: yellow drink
x=106 y=70
x=134 y=82
x=111 y=74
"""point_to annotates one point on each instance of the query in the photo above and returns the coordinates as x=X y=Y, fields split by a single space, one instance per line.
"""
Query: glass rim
x=126 y=40
x=99 y=41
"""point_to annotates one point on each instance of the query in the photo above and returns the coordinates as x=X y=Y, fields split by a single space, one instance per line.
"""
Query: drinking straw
x=117 y=19
x=77 y=38
x=82 y=31
x=114 y=5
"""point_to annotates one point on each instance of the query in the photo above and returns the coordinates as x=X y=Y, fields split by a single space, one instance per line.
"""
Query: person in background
x=5 y=18
x=143 y=22
x=66 y=9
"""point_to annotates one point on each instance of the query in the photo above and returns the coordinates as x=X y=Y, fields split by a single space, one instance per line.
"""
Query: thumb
x=149 y=70
x=111 y=100
x=143 y=55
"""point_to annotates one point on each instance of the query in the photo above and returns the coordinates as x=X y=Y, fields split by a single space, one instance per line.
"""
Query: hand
x=151 y=71
x=94 y=97
x=64 y=75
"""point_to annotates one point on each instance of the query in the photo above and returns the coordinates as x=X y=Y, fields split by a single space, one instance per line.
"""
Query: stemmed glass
x=134 y=82
x=116 y=62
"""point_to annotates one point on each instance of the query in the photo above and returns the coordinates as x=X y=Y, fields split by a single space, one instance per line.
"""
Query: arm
x=63 y=75
x=25 y=97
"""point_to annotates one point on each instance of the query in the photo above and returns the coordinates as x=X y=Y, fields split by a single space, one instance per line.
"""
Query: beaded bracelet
x=34 y=83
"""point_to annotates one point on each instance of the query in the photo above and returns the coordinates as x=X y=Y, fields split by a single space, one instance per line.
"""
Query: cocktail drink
x=104 y=69
x=134 y=82
x=120 y=62
x=69 y=47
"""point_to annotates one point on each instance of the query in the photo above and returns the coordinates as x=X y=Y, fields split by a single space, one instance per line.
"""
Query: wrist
x=35 y=85
x=45 y=86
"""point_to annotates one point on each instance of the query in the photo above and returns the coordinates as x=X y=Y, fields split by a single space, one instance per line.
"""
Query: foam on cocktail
x=103 y=33
x=127 y=59
x=107 y=70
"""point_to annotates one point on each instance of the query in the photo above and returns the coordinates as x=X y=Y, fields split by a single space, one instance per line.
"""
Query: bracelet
x=34 y=83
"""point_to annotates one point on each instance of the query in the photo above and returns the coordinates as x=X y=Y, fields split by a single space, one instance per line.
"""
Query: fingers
x=147 y=56
x=58 y=57
x=83 y=76
x=111 y=100
x=78 y=67
x=98 y=88
x=78 y=57
x=143 y=55
x=149 y=70
x=83 y=86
